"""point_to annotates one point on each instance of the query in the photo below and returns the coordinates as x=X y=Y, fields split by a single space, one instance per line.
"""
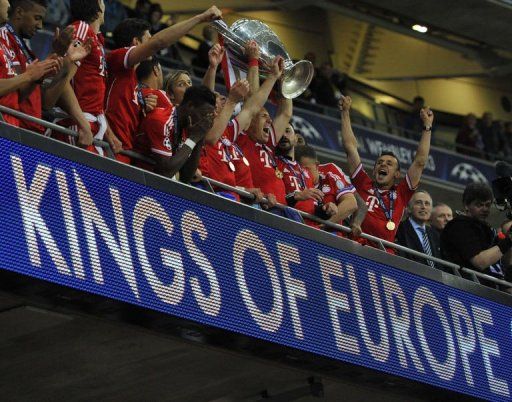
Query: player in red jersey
x=300 y=189
x=175 y=134
x=125 y=105
x=10 y=82
x=336 y=187
x=385 y=196
x=25 y=18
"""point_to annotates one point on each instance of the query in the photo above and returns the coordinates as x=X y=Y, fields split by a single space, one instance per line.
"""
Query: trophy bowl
x=296 y=76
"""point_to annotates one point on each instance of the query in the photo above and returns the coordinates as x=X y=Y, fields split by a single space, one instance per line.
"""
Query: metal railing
x=211 y=183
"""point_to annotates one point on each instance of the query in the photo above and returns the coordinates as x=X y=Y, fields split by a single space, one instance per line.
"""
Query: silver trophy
x=296 y=77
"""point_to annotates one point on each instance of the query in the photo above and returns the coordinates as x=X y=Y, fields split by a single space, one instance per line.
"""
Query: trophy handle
x=221 y=27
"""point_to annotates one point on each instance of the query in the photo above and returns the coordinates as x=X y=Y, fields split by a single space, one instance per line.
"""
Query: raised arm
x=283 y=116
x=168 y=36
x=257 y=100
x=253 y=74
x=238 y=91
x=421 y=157
x=215 y=56
x=348 y=139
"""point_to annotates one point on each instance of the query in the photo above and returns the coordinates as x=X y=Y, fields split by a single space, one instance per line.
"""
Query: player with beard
x=124 y=105
x=175 y=134
x=386 y=197
x=301 y=192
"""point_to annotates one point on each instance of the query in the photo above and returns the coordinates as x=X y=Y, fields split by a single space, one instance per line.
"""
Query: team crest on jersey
x=326 y=189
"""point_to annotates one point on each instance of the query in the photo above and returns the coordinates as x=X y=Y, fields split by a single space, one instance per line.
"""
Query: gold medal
x=279 y=174
x=231 y=166
x=390 y=225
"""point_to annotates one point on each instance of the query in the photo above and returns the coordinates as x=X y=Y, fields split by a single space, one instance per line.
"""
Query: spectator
x=490 y=135
x=25 y=18
x=175 y=84
x=469 y=139
x=175 y=152
x=115 y=13
x=507 y=141
x=329 y=85
x=412 y=122
x=308 y=94
x=141 y=10
x=386 y=199
x=336 y=187
x=415 y=233
x=134 y=44
x=58 y=13
x=441 y=215
x=201 y=60
x=155 y=19
x=469 y=241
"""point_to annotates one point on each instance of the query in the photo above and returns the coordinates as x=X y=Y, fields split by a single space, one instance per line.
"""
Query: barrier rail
x=453 y=268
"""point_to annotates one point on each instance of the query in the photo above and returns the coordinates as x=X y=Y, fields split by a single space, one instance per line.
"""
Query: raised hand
x=62 y=40
x=427 y=116
x=345 y=103
x=78 y=51
x=215 y=55
x=212 y=14
x=277 y=67
x=239 y=91
x=252 y=50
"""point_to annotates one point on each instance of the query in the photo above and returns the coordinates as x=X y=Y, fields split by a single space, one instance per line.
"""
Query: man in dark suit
x=414 y=232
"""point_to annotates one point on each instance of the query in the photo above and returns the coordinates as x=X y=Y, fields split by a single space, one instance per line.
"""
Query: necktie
x=426 y=245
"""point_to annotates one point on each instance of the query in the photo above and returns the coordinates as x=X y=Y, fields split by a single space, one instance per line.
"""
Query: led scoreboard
x=138 y=238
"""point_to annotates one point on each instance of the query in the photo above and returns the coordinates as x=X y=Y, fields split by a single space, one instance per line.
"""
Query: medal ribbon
x=21 y=43
x=226 y=144
x=299 y=175
x=392 y=196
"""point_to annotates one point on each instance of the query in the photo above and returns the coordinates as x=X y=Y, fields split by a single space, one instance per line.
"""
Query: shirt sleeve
x=159 y=134
x=117 y=60
x=342 y=185
x=405 y=189
x=360 y=178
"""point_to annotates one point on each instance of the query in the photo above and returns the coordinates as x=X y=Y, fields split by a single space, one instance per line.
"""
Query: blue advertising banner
x=443 y=165
x=71 y=224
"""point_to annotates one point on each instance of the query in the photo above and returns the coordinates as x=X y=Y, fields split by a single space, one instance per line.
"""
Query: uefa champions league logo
x=467 y=172
x=305 y=128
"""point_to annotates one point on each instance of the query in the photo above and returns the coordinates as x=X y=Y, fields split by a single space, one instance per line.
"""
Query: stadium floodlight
x=419 y=28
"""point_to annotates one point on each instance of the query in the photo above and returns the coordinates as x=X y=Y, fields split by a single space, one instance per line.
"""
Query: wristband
x=190 y=143
x=504 y=244
x=427 y=128
x=77 y=63
x=254 y=63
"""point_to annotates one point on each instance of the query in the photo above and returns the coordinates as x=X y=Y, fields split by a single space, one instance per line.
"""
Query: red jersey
x=10 y=100
x=376 y=220
x=263 y=165
x=123 y=97
x=296 y=178
x=333 y=183
x=90 y=80
x=217 y=159
x=159 y=125
x=20 y=56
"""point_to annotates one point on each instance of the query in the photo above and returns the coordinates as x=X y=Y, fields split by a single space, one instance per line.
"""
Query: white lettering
x=294 y=288
x=400 y=322
x=489 y=348
x=247 y=240
x=467 y=343
x=29 y=200
x=337 y=301
x=424 y=297
x=379 y=351
x=69 y=221
x=145 y=209
x=94 y=220
x=210 y=304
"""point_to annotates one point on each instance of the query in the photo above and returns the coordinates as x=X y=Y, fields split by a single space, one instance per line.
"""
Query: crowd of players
x=189 y=132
